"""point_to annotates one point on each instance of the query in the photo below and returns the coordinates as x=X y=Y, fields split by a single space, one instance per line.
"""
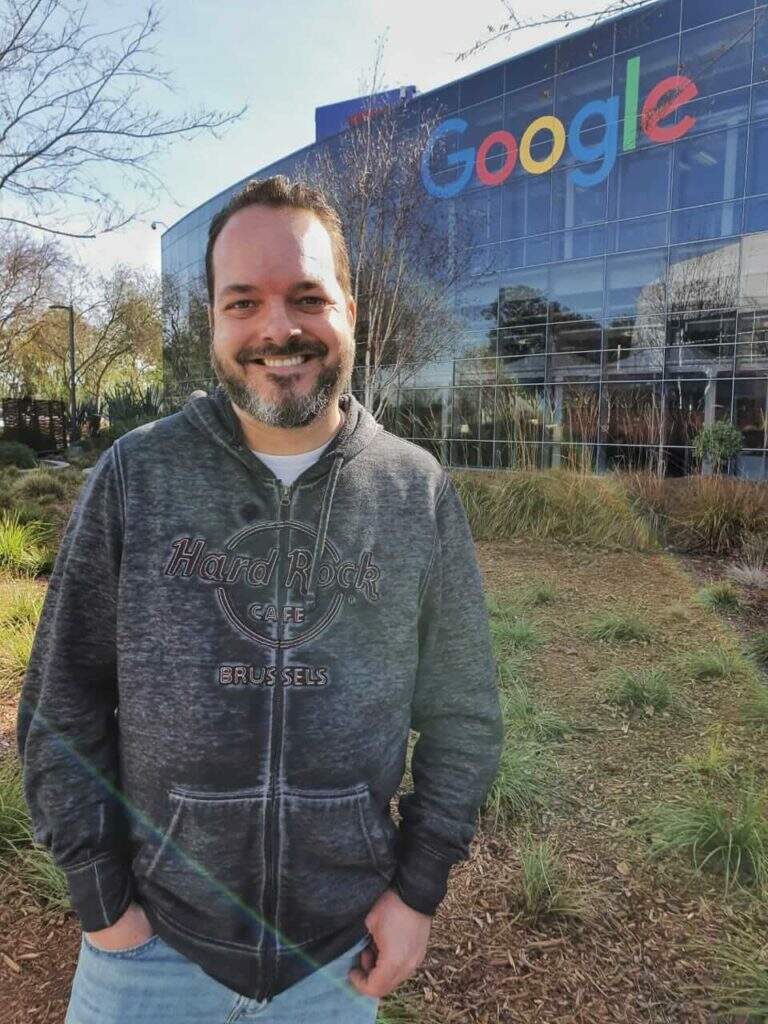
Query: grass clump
x=715 y=663
x=729 y=838
x=522 y=782
x=16 y=639
x=21 y=544
x=721 y=596
x=546 y=887
x=525 y=716
x=641 y=689
x=754 y=707
x=14 y=453
x=514 y=633
x=713 y=763
x=742 y=960
x=40 y=484
x=613 y=626
x=21 y=601
x=757 y=648
x=47 y=882
x=15 y=825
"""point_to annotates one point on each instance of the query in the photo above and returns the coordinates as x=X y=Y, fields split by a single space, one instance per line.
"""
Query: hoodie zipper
x=272 y=824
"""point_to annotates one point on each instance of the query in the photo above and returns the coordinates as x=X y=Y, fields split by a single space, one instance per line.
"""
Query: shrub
x=523 y=715
x=757 y=648
x=715 y=514
x=515 y=634
x=713 y=763
x=717 y=441
x=754 y=708
x=47 y=881
x=715 y=663
x=16 y=640
x=731 y=840
x=742 y=959
x=21 y=600
x=13 y=453
x=41 y=484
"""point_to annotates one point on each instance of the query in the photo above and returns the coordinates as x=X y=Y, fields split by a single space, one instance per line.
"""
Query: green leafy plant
x=547 y=888
x=14 y=453
x=720 y=596
x=15 y=825
x=641 y=689
x=21 y=544
x=522 y=783
x=613 y=626
x=717 y=441
x=525 y=716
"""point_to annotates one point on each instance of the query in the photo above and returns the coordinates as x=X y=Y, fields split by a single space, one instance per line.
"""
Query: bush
x=717 y=441
x=15 y=825
x=21 y=545
x=547 y=889
x=522 y=782
x=642 y=689
x=612 y=626
x=41 y=484
x=13 y=453
x=721 y=596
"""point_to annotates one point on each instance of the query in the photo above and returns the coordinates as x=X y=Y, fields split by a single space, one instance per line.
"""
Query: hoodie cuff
x=100 y=891
x=421 y=878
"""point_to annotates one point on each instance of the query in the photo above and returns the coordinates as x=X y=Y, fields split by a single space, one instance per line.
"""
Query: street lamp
x=155 y=224
x=72 y=397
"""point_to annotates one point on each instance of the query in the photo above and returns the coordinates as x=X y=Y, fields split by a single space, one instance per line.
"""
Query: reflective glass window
x=526 y=105
x=576 y=290
x=757 y=172
x=635 y=283
x=579 y=243
x=520 y=411
x=749 y=411
x=706 y=222
x=585 y=47
x=703 y=275
x=719 y=111
x=633 y=416
x=476 y=308
x=696 y=12
x=431 y=413
x=523 y=298
x=578 y=87
x=753 y=287
x=538 y=249
x=478 y=217
x=709 y=168
x=574 y=415
x=575 y=336
x=685 y=403
x=525 y=205
x=529 y=67
x=483 y=86
x=657 y=61
x=442 y=101
x=482 y=120
x=641 y=233
x=646 y=25
x=718 y=56
x=574 y=206
x=760 y=98
x=756 y=214
x=761 y=46
x=639 y=185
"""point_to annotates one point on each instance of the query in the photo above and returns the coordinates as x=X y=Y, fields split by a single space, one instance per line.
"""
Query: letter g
x=465 y=157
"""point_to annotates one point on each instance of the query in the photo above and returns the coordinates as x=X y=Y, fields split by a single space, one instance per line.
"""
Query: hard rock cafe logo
x=255 y=601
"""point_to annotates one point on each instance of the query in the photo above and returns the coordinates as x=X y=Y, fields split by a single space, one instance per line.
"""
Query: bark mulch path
x=640 y=954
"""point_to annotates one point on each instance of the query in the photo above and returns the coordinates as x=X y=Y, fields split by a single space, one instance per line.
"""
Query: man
x=254 y=600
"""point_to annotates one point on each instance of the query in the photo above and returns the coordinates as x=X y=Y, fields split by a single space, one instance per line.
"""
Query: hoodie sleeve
x=66 y=727
x=456 y=711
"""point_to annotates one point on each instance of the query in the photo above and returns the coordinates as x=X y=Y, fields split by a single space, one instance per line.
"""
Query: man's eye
x=314 y=300
x=238 y=304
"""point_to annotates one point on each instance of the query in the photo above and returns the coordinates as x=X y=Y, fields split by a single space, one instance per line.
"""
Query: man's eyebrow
x=309 y=282
x=237 y=289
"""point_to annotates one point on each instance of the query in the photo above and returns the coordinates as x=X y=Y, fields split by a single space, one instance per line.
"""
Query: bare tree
x=515 y=22
x=70 y=109
x=403 y=269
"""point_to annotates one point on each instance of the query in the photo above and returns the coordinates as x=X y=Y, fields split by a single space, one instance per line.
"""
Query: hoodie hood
x=214 y=416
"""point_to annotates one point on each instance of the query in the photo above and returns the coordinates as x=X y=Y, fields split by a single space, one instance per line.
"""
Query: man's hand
x=400 y=936
x=130 y=929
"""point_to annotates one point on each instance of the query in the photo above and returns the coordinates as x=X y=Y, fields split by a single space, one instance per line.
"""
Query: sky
x=283 y=60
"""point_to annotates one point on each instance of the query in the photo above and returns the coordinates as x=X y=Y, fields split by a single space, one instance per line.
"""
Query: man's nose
x=276 y=323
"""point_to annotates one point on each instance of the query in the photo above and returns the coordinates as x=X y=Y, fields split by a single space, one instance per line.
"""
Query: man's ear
x=209 y=310
x=351 y=312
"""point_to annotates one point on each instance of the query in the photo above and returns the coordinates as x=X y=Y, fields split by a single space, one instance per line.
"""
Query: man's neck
x=290 y=440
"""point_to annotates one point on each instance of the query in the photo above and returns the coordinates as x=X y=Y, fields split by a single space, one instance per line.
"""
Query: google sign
x=661 y=102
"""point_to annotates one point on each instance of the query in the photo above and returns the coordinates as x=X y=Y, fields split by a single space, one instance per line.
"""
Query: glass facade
x=615 y=297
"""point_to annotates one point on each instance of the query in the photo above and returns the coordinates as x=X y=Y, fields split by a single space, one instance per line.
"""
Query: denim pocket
x=206 y=871
x=337 y=853
x=129 y=953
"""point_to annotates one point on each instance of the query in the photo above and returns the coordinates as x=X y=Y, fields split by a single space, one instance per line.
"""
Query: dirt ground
x=640 y=955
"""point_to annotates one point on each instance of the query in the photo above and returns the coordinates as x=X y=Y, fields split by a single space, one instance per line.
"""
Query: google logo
x=662 y=101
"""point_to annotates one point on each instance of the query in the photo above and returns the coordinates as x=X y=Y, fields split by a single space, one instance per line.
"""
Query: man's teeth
x=293 y=361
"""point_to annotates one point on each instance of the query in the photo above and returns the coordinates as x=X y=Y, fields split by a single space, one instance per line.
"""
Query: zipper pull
x=286 y=495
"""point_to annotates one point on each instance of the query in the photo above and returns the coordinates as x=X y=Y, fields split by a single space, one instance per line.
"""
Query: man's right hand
x=129 y=930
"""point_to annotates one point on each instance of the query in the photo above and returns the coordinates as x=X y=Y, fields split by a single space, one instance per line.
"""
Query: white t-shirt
x=288 y=467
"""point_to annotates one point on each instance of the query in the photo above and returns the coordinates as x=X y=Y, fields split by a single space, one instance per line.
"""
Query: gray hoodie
x=216 y=710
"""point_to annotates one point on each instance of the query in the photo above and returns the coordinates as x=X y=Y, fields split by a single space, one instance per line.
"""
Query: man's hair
x=280 y=192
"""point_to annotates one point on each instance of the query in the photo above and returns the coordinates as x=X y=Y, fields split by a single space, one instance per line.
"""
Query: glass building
x=615 y=297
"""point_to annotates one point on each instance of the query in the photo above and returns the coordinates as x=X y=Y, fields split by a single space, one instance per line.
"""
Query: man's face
x=276 y=297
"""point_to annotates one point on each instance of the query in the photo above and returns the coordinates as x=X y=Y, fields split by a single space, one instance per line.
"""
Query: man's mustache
x=295 y=347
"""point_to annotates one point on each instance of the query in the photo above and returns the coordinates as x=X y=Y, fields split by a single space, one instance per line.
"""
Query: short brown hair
x=278 y=191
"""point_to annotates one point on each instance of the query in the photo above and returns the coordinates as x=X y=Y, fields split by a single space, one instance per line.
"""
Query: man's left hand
x=400 y=936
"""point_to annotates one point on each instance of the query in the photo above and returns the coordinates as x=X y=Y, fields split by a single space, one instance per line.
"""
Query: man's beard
x=290 y=410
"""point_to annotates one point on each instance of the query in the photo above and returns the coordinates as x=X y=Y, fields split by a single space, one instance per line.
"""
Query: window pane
x=640 y=183
x=761 y=47
x=696 y=12
x=529 y=67
x=756 y=215
x=525 y=105
x=659 y=20
x=519 y=412
x=643 y=233
x=573 y=206
x=483 y=86
x=720 y=111
x=703 y=276
x=749 y=411
x=576 y=88
x=523 y=301
x=576 y=290
x=718 y=56
x=706 y=222
x=635 y=283
x=525 y=205
x=757 y=174
x=585 y=47
x=709 y=168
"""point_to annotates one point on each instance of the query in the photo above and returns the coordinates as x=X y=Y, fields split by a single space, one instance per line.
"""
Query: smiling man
x=271 y=590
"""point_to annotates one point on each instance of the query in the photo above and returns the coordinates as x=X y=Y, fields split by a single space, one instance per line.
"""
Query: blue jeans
x=154 y=984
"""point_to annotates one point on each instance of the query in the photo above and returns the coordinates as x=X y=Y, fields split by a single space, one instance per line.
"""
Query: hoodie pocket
x=206 y=871
x=337 y=854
